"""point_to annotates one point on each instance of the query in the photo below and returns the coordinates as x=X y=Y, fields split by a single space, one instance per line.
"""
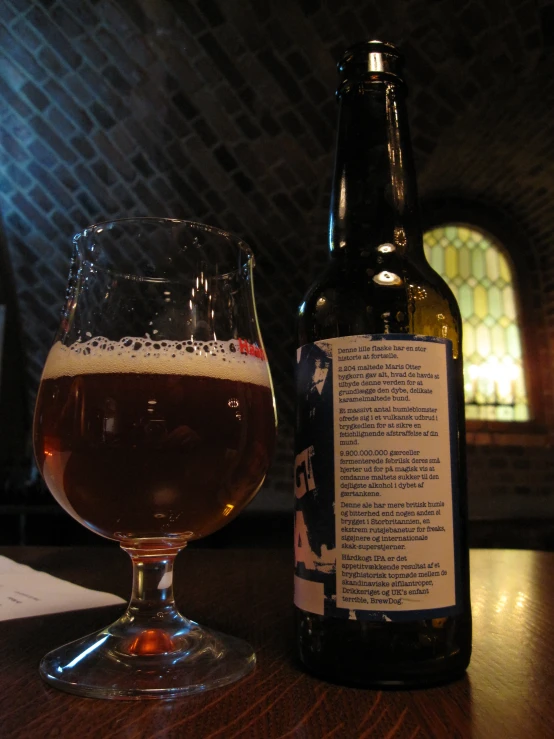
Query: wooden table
x=508 y=691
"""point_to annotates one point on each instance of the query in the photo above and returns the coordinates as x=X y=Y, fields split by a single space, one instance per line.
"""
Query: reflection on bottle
x=388 y=278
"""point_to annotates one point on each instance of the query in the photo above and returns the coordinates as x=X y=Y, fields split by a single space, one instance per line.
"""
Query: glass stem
x=152 y=614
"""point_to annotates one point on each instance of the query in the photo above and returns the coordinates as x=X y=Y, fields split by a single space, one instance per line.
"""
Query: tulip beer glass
x=154 y=426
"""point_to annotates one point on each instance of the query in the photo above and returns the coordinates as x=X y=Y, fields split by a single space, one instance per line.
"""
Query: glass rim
x=95 y=228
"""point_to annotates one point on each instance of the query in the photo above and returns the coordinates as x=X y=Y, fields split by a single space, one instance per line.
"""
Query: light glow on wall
x=480 y=277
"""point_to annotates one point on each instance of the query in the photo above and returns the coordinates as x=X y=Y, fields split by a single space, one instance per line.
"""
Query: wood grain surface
x=508 y=691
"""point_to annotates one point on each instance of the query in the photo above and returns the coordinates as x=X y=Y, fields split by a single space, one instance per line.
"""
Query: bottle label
x=376 y=523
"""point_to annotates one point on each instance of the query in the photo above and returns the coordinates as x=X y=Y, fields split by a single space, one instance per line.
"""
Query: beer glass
x=154 y=426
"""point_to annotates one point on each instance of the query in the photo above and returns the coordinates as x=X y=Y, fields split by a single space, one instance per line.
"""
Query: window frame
x=515 y=247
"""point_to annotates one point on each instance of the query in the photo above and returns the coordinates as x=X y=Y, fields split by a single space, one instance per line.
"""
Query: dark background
x=225 y=112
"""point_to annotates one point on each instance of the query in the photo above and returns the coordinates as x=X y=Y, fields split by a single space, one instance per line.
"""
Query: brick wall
x=224 y=112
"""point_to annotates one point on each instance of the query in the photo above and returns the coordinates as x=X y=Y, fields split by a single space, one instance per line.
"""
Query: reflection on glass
x=387 y=278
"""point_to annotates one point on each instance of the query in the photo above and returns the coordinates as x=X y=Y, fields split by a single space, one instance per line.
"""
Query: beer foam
x=224 y=360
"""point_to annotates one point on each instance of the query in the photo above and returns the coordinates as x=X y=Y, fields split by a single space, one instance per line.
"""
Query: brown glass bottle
x=377 y=284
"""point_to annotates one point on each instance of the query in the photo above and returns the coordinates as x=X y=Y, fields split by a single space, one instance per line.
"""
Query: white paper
x=26 y=592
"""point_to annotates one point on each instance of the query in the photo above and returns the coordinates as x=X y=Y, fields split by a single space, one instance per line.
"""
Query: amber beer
x=138 y=440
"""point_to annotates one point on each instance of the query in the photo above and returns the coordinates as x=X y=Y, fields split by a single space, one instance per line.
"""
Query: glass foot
x=129 y=663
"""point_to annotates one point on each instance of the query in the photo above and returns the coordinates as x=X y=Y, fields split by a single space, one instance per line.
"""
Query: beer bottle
x=381 y=554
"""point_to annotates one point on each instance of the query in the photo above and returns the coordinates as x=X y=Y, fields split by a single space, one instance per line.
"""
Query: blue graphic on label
x=376 y=478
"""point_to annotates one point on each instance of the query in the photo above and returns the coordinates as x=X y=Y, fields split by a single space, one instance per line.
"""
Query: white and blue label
x=376 y=478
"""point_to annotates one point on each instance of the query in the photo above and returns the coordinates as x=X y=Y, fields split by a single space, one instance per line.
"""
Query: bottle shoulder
x=379 y=296
x=344 y=275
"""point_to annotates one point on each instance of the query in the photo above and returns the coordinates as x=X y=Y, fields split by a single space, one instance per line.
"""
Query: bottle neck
x=374 y=195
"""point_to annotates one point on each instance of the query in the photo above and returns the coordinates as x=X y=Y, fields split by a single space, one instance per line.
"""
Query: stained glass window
x=480 y=277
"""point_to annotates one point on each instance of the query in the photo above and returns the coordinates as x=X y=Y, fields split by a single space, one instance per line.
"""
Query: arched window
x=480 y=276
